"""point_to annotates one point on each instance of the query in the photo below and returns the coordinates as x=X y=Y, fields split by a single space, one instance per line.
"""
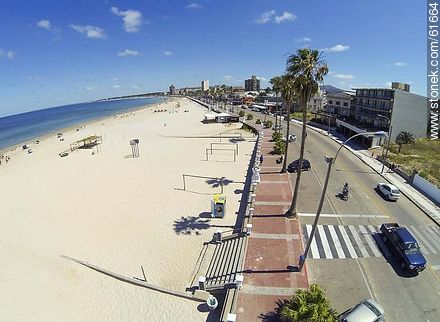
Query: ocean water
x=19 y=128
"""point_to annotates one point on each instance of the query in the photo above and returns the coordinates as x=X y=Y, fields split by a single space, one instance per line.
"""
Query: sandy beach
x=114 y=211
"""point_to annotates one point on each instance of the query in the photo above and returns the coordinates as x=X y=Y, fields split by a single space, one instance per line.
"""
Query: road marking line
x=358 y=240
x=326 y=246
x=336 y=241
x=347 y=242
x=313 y=246
x=433 y=233
x=342 y=216
x=369 y=240
x=420 y=236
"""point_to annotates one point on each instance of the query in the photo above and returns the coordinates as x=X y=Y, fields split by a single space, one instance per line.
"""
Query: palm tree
x=276 y=86
x=404 y=138
x=288 y=94
x=307 y=69
x=308 y=305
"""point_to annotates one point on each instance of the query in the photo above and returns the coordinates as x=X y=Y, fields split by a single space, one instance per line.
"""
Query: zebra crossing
x=359 y=241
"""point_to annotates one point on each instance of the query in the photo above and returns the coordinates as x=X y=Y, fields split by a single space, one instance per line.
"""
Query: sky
x=57 y=52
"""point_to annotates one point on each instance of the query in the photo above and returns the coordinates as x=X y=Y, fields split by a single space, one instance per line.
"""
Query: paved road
x=345 y=259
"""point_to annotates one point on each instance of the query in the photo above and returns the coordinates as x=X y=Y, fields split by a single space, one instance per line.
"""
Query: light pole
x=390 y=130
x=330 y=161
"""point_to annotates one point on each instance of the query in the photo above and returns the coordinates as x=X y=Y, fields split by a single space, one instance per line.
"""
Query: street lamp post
x=330 y=161
x=390 y=130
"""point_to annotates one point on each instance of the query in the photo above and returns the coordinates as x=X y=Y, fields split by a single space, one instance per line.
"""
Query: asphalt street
x=348 y=258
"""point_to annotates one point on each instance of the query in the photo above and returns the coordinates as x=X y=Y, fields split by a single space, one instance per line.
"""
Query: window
x=338 y=103
x=345 y=104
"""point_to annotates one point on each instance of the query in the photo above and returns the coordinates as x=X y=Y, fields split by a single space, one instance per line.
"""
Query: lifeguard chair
x=218 y=205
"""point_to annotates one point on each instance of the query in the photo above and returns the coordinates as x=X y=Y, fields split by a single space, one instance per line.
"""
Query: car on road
x=389 y=191
x=365 y=311
x=292 y=138
x=294 y=166
x=403 y=244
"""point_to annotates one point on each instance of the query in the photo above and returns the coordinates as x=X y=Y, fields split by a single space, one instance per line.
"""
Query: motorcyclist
x=346 y=188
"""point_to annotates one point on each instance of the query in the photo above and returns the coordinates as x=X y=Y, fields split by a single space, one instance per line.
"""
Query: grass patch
x=299 y=115
x=423 y=155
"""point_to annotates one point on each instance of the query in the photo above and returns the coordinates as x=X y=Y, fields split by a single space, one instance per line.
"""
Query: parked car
x=365 y=311
x=404 y=246
x=389 y=191
x=294 y=166
x=292 y=138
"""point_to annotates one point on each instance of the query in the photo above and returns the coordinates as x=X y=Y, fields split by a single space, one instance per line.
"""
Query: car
x=365 y=311
x=389 y=191
x=404 y=246
x=293 y=167
x=292 y=138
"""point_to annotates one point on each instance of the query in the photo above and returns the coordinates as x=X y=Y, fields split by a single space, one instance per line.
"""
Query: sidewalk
x=274 y=246
x=426 y=205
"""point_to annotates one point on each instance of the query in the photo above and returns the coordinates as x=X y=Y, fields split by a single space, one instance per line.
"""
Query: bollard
x=251 y=212
x=231 y=317
x=202 y=283
x=248 y=229
x=217 y=236
x=239 y=280
x=253 y=197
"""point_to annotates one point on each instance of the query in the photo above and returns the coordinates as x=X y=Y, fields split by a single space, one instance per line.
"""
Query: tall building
x=372 y=107
x=205 y=85
x=172 y=90
x=252 y=84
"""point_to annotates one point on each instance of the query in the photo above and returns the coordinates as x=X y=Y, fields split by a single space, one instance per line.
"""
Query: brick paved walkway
x=274 y=245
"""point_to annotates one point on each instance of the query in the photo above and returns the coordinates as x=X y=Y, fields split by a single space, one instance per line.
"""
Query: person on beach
x=261 y=159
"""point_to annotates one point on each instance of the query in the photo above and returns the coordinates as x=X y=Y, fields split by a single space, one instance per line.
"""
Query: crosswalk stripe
x=431 y=229
x=369 y=239
x=325 y=244
x=336 y=242
x=435 y=239
x=358 y=240
x=421 y=237
x=436 y=230
x=313 y=246
x=347 y=242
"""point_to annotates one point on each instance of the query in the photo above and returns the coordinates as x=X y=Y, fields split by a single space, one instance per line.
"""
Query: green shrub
x=258 y=121
x=241 y=113
x=249 y=117
x=268 y=124
x=280 y=147
x=276 y=136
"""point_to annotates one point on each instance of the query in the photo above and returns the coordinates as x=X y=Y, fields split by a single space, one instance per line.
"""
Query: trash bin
x=212 y=303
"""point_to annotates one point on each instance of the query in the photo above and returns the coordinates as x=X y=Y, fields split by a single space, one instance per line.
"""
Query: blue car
x=404 y=246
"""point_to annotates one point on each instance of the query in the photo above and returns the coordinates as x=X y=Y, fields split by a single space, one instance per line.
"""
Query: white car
x=292 y=138
x=389 y=191
x=366 y=311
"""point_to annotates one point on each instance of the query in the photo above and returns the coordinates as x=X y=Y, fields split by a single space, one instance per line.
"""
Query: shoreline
x=11 y=148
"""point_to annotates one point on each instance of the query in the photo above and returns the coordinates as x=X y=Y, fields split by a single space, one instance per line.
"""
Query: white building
x=317 y=102
x=205 y=85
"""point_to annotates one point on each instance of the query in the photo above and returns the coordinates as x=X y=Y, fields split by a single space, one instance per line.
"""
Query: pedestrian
x=392 y=167
x=261 y=159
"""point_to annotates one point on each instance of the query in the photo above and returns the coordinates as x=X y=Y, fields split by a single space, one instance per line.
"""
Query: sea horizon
x=19 y=128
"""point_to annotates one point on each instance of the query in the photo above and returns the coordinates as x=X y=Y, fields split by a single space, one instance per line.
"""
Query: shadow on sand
x=191 y=224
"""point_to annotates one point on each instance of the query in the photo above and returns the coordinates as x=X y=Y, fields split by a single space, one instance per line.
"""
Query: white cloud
x=303 y=39
x=194 y=6
x=116 y=86
x=8 y=54
x=262 y=79
x=45 y=24
x=228 y=77
x=400 y=64
x=128 y=52
x=90 y=31
x=167 y=52
x=286 y=16
x=135 y=87
x=343 y=76
x=91 y=88
x=265 y=17
x=337 y=48
x=132 y=19
x=388 y=84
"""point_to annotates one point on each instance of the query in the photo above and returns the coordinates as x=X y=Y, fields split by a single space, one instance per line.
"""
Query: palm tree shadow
x=217 y=182
x=274 y=315
x=191 y=224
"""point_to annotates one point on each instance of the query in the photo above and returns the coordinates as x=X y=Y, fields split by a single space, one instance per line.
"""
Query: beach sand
x=115 y=212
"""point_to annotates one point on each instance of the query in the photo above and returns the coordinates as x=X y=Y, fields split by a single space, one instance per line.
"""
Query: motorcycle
x=345 y=192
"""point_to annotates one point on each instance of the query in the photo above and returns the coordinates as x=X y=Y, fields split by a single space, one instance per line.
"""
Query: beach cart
x=218 y=205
